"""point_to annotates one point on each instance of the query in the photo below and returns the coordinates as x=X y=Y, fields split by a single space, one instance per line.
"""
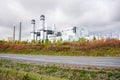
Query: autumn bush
x=109 y=46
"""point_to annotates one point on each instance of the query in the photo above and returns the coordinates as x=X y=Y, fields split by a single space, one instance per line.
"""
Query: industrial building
x=53 y=35
x=69 y=34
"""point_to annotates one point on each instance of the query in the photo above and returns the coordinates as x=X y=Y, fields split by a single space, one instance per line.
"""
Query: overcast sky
x=94 y=15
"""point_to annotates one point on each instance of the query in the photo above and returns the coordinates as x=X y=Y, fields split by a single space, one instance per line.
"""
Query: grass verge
x=11 y=74
x=35 y=72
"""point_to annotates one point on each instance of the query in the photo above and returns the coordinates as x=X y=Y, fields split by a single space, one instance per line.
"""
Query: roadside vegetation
x=11 y=74
x=82 y=47
x=10 y=70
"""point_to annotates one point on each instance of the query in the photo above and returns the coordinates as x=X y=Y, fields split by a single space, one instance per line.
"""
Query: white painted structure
x=69 y=34
x=42 y=31
x=52 y=35
x=33 y=35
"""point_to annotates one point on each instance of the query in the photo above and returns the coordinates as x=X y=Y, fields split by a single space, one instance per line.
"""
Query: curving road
x=87 y=61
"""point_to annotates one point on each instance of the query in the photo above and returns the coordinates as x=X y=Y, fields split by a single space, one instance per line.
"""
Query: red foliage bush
x=19 y=47
x=65 y=46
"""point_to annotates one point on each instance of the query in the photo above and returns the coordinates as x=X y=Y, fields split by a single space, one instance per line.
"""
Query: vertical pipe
x=14 y=34
x=111 y=35
x=118 y=36
x=43 y=29
x=54 y=29
x=20 y=31
x=98 y=36
x=34 y=31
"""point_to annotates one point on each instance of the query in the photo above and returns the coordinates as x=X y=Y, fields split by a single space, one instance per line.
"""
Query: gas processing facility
x=70 y=34
x=53 y=35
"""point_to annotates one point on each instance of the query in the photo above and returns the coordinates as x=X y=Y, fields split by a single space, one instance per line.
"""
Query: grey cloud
x=99 y=15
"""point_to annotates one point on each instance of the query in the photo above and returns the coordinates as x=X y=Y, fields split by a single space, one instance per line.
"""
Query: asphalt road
x=87 y=61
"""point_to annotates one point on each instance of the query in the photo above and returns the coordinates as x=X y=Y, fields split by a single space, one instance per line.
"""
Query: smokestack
x=42 y=19
x=33 y=22
x=13 y=33
x=54 y=29
x=20 y=31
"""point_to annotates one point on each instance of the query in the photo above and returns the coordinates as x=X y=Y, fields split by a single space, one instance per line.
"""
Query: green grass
x=115 y=52
x=11 y=74
x=52 y=72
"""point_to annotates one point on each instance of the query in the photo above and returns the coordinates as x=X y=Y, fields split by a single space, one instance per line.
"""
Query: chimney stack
x=42 y=19
x=33 y=22
x=14 y=34
x=20 y=31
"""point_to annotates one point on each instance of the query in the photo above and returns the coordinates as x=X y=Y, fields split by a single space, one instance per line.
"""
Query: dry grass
x=103 y=47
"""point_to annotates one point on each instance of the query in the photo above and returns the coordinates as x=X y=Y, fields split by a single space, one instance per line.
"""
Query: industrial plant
x=70 y=34
x=53 y=35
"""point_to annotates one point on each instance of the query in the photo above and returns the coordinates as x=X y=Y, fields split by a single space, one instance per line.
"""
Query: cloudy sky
x=94 y=15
